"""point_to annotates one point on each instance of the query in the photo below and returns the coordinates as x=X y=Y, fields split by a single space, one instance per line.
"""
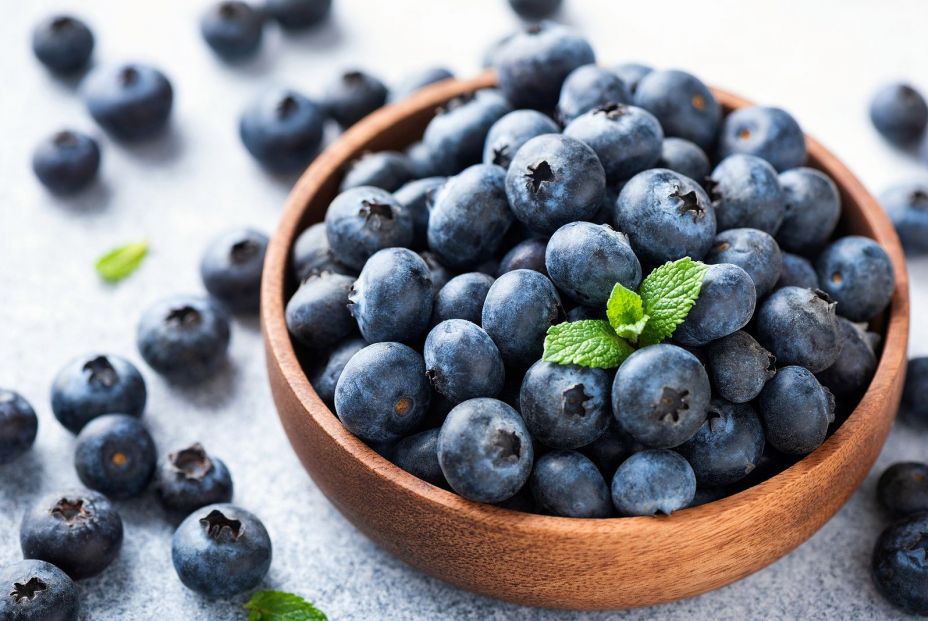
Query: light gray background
x=820 y=60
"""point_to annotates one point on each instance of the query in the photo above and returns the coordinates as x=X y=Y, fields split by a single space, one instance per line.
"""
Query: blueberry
x=798 y=326
x=653 y=482
x=746 y=193
x=352 y=96
x=79 y=531
x=660 y=395
x=485 y=451
x=62 y=43
x=296 y=15
x=191 y=478
x=914 y=407
x=282 y=130
x=610 y=449
x=754 y=251
x=511 y=131
x=568 y=484
x=387 y=170
x=231 y=269
x=899 y=113
x=326 y=377
x=684 y=157
x=725 y=305
x=363 y=220
x=627 y=139
x=631 y=74
x=769 y=133
x=907 y=205
x=317 y=314
x=131 y=101
x=115 y=456
x=739 y=366
x=184 y=338
x=416 y=197
x=462 y=298
x=552 y=180
x=532 y=66
x=415 y=82
x=902 y=489
x=233 y=29
x=456 y=136
x=418 y=455
x=857 y=273
x=438 y=272
x=797 y=272
x=421 y=160
x=590 y=87
x=518 y=310
x=813 y=208
x=586 y=260
x=581 y=313
x=383 y=393
x=66 y=162
x=392 y=298
x=565 y=406
x=666 y=216
x=18 y=426
x=685 y=107
x=899 y=566
x=96 y=384
x=462 y=362
x=535 y=9
x=34 y=590
x=854 y=367
x=796 y=411
x=221 y=550
x=526 y=255
x=728 y=446
x=469 y=217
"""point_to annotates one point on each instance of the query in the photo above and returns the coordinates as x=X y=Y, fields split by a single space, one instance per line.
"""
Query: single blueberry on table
x=754 y=251
x=295 y=15
x=796 y=272
x=383 y=393
x=511 y=131
x=231 y=269
x=739 y=367
x=769 y=133
x=799 y=327
x=387 y=170
x=18 y=426
x=78 y=531
x=684 y=157
x=62 y=43
x=352 y=96
x=902 y=489
x=725 y=305
x=312 y=254
x=485 y=451
x=728 y=446
x=326 y=377
x=746 y=193
x=417 y=197
x=191 y=478
x=526 y=255
x=363 y=220
x=631 y=74
x=33 y=590
x=462 y=298
x=914 y=407
x=418 y=80
x=685 y=107
x=590 y=87
x=666 y=216
x=653 y=482
x=553 y=180
x=96 y=384
x=796 y=411
x=626 y=139
x=518 y=310
x=66 y=162
x=233 y=29
x=899 y=567
x=221 y=550
x=586 y=260
x=462 y=361
x=565 y=406
x=115 y=456
x=282 y=130
x=907 y=205
x=660 y=395
x=813 y=207
x=899 y=113
x=854 y=367
x=535 y=9
x=455 y=137
x=418 y=455
x=858 y=274
x=611 y=448
x=568 y=484
x=131 y=101
x=317 y=315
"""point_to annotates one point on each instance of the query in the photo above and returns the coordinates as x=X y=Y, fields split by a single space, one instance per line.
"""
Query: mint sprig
x=280 y=606
x=668 y=294
x=121 y=261
x=625 y=312
x=590 y=343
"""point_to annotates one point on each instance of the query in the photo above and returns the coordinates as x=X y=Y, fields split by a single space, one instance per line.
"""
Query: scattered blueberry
x=96 y=384
x=899 y=568
x=18 y=426
x=511 y=131
x=684 y=157
x=535 y=9
x=361 y=221
x=907 y=205
x=417 y=197
x=131 y=101
x=568 y=484
x=455 y=137
x=297 y=15
x=796 y=272
x=414 y=82
x=858 y=274
x=387 y=170
x=33 y=590
x=902 y=489
x=462 y=298
x=631 y=74
x=685 y=107
x=462 y=362
x=418 y=455
x=728 y=446
x=653 y=482
x=115 y=456
x=317 y=315
x=739 y=366
x=231 y=269
x=746 y=193
x=528 y=254
x=899 y=113
x=853 y=369
x=799 y=327
x=191 y=478
x=352 y=96
x=233 y=29
x=754 y=251
x=62 y=43
x=282 y=130
x=326 y=377
x=590 y=87
x=796 y=411
x=813 y=207
x=724 y=306
x=66 y=162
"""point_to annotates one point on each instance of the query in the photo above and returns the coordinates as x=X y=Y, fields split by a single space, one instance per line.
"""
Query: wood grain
x=563 y=562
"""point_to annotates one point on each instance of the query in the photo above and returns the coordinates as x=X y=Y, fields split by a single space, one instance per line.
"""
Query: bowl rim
x=280 y=349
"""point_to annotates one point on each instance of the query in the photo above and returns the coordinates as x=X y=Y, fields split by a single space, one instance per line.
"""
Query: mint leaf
x=668 y=294
x=120 y=262
x=625 y=312
x=280 y=606
x=589 y=343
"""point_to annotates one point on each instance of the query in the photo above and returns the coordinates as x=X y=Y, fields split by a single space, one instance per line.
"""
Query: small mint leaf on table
x=280 y=606
x=625 y=312
x=589 y=343
x=122 y=261
x=668 y=294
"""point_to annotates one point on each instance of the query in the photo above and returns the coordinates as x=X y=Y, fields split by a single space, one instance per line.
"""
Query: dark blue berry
x=231 y=269
x=415 y=82
x=728 y=446
x=233 y=29
x=902 y=489
x=18 y=426
x=296 y=15
x=684 y=157
x=739 y=366
x=914 y=402
x=854 y=367
x=725 y=305
x=34 y=590
x=438 y=272
x=769 y=133
x=418 y=455
x=799 y=327
x=282 y=130
x=796 y=411
x=900 y=564
x=96 y=384
x=462 y=298
x=115 y=456
x=653 y=482
x=66 y=162
x=754 y=251
x=387 y=170
x=813 y=207
x=899 y=113
x=62 y=43
x=535 y=9
x=568 y=484
x=317 y=315
x=611 y=448
x=631 y=74
x=312 y=254
x=907 y=205
x=797 y=272
x=131 y=101
x=417 y=197
x=455 y=138
x=326 y=377
x=526 y=255
x=746 y=193
x=857 y=273
x=581 y=313
x=511 y=131
x=361 y=221
x=191 y=478
x=462 y=362
x=685 y=107
x=590 y=87
x=352 y=96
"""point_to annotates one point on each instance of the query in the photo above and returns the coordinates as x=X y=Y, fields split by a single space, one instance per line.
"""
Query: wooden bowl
x=552 y=561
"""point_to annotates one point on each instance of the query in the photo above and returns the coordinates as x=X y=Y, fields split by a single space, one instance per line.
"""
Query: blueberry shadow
x=22 y=477
x=69 y=83
x=322 y=37
x=161 y=149
x=95 y=198
x=215 y=393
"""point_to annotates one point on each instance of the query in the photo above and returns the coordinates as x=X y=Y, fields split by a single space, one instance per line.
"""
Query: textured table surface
x=820 y=60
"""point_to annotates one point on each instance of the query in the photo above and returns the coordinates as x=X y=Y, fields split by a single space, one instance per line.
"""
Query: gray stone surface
x=820 y=60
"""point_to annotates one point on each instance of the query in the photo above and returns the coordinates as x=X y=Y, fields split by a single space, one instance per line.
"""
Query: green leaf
x=280 y=606
x=668 y=294
x=120 y=262
x=625 y=312
x=589 y=343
